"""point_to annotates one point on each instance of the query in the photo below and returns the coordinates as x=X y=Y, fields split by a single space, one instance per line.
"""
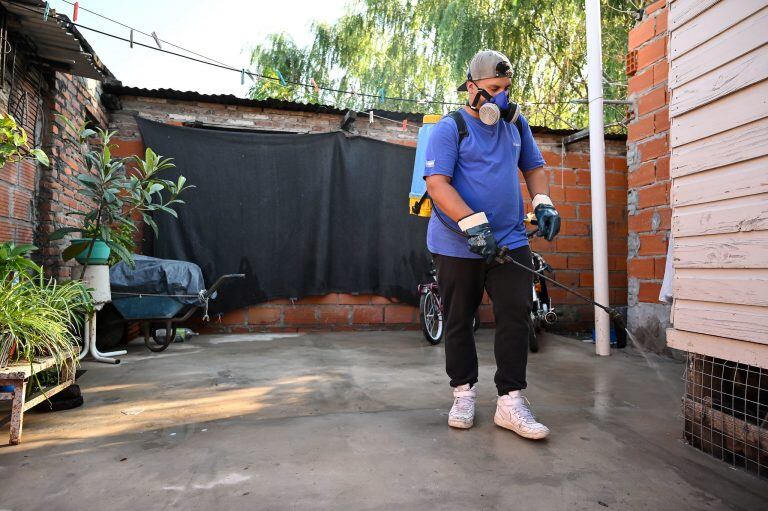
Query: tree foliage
x=420 y=49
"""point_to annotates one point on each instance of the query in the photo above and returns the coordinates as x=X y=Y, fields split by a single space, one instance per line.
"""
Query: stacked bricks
x=77 y=99
x=570 y=253
x=568 y=174
x=648 y=157
x=18 y=181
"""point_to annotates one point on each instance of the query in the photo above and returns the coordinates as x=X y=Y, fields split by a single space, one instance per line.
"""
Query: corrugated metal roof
x=56 y=41
x=230 y=99
x=118 y=89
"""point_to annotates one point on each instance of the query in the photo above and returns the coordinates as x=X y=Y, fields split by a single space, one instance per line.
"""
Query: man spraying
x=471 y=172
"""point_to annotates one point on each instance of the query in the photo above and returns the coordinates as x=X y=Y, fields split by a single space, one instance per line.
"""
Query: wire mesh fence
x=726 y=411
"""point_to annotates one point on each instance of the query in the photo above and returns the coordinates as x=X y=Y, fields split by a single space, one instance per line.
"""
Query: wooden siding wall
x=719 y=168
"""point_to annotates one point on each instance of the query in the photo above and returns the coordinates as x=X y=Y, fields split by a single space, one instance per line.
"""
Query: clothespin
x=381 y=95
x=405 y=124
x=280 y=75
x=74 y=12
x=242 y=76
x=130 y=38
x=314 y=84
x=46 y=11
x=370 y=117
x=157 y=40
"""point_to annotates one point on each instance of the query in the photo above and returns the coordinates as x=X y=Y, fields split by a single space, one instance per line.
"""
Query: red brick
x=382 y=300
x=643 y=175
x=399 y=141
x=586 y=279
x=617 y=279
x=563 y=177
x=661 y=22
x=654 y=195
x=653 y=244
x=367 y=314
x=651 y=52
x=579 y=262
x=617 y=263
x=585 y=211
x=640 y=129
x=661 y=120
x=616 y=179
x=486 y=298
x=566 y=210
x=348 y=299
x=334 y=314
x=665 y=217
x=557 y=193
x=128 y=147
x=640 y=268
x=659 y=267
x=584 y=178
x=299 y=315
x=641 y=221
x=329 y=299
x=660 y=72
x=260 y=315
x=577 y=195
x=576 y=160
x=5 y=200
x=552 y=159
x=649 y=292
x=618 y=163
x=640 y=82
x=653 y=148
x=399 y=314
x=556 y=260
x=235 y=317
x=578 y=245
x=655 y=7
x=641 y=33
x=662 y=168
x=574 y=227
x=652 y=100
x=616 y=196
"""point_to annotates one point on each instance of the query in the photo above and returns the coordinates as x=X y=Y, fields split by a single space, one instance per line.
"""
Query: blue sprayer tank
x=418 y=185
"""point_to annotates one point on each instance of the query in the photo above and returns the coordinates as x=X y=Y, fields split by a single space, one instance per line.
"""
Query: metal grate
x=726 y=411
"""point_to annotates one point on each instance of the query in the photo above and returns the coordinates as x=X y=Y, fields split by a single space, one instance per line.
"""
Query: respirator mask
x=495 y=107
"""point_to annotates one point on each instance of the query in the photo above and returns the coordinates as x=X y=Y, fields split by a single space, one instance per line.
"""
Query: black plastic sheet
x=300 y=215
x=183 y=280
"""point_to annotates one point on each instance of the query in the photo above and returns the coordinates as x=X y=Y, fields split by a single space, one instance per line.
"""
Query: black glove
x=547 y=218
x=481 y=240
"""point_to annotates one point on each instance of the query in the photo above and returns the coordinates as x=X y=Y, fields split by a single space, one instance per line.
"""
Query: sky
x=223 y=30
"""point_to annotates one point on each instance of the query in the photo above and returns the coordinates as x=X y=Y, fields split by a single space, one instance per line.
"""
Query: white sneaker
x=462 y=414
x=513 y=412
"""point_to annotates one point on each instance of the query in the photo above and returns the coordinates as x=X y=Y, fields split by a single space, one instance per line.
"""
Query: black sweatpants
x=461 y=282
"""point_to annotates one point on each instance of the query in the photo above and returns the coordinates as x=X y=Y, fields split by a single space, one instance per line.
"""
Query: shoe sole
x=460 y=424
x=508 y=425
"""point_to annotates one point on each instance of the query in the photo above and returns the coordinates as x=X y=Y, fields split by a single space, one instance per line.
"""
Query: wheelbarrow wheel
x=160 y=344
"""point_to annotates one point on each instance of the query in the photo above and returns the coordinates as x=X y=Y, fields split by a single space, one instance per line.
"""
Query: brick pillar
x=648 y=180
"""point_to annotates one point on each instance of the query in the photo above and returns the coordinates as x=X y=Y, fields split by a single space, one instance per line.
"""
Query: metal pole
x=597 y=172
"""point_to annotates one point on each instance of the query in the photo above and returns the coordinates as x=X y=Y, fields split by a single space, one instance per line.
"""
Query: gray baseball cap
x=487 y=64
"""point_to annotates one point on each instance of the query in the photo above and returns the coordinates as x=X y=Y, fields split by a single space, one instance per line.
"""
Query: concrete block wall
x=648 y=179
x=568 y=174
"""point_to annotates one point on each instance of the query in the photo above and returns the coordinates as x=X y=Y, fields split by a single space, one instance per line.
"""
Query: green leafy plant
x=14 y=260
x=41 y=317
x=112 y=196
x=14 y=143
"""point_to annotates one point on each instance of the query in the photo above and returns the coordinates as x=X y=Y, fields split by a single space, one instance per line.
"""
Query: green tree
x=420 y=49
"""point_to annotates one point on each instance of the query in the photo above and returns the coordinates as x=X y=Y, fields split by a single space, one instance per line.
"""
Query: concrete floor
x=358 y=421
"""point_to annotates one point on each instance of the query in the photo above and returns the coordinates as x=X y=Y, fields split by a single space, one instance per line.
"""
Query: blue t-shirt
x=484 y=172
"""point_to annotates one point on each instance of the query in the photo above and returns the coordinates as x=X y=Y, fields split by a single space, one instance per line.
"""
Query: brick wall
x=648 y=180
x=568 y=174
x=78 y=99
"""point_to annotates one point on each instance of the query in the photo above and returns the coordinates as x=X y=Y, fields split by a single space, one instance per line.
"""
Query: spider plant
x=40 y=317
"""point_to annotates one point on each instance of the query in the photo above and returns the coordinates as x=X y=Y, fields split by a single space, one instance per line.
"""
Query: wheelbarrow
x=149 y=309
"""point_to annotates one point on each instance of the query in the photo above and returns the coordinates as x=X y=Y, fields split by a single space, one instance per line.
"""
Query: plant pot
x=99 y=253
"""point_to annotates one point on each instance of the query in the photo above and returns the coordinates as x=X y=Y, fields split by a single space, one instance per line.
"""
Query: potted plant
x=39 y=317
x=112 y=197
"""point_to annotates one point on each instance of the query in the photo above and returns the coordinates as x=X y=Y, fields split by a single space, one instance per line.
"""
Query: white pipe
x=597 y=172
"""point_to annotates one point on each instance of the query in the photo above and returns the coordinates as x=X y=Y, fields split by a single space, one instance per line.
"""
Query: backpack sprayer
x=421 y=205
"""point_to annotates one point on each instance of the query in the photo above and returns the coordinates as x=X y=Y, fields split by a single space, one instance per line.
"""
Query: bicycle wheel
x=431 y=318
